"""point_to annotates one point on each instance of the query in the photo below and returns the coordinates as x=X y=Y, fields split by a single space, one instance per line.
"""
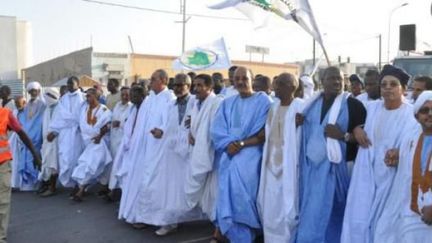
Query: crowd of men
x=348 y=162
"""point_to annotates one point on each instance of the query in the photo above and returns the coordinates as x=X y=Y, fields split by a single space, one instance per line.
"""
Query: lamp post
x=389 y=28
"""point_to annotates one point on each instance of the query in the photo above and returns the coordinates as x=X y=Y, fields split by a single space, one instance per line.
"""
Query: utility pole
x=379 y=52
x=183 y=10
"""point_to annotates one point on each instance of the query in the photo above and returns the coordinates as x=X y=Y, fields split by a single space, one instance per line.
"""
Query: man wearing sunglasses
x=407 y=215
x=388 y=121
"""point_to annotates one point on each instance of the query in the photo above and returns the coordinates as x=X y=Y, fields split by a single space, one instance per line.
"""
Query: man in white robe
x=407 y=216
x=124 y=155
x=65 y=126
x=163 y=201
x=120 y=115
x=387 y=121
x=279 y=173
x=153 y=121
x=372 y=88
x=15 y=143
x=94 y=120
x=201 y=181
x=49 y=171
x=201 y=177
x=230 y=90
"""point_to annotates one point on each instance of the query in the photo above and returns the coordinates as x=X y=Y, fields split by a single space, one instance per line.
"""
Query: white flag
x=204 y=57
x=260 y=10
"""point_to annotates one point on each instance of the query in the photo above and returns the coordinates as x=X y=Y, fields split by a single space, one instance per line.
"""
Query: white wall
x=15 y=47
x=8 y=50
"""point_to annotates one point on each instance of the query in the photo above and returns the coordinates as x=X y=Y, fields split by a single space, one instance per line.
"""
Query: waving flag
x=260 y=10
x=209 y=56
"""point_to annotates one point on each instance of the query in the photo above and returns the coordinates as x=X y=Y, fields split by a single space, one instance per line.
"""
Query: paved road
x=60 y=220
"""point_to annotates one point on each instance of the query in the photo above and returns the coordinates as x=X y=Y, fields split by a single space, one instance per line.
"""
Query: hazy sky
x=351 y=28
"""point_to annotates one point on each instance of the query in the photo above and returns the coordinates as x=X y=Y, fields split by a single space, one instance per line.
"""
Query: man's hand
x=51 y=136
x=234 y=148
x=427 y=214
x=157 y=133
x=115 y=124
x=361 y=137
x=299 y=119
x=37 y=162
x=191 y=139
x=391 y=158
x=97 y=139
x=333 y=131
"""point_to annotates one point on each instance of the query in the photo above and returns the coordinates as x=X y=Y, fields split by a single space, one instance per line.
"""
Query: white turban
x=423 y=98
x=53 y=92
x=37 y=86
x=34 y=85
x=308 y=86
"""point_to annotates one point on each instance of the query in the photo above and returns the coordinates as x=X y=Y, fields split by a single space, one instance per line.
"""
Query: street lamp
x=389 y=27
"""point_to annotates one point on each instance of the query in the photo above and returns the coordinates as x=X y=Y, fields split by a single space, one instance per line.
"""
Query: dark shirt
x=356 y=116
x=181 y=104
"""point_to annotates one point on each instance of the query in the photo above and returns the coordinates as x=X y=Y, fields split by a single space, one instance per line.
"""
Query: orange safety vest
x=5 y=153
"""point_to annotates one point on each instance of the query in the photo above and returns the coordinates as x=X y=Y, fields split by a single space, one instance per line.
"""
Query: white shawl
x=334 y=151
x=201 y=184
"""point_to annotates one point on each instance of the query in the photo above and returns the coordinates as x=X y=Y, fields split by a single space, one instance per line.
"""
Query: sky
x=350 y=28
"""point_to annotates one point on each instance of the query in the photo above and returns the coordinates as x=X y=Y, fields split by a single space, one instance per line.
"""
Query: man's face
x=136 y=97
x=125 y=96
x=91 y=97
x=283 y=89
x=356 y=88
x=72 y=85
x=243 y=81
x=332 y=82
x=372 y=86
x=111 y=86
x=180 y=87
x=424 y=115
x=156 y=83
x=201 y=90
x=20 y=103
x=34 y=93
x=391 y=89
x=260 y=86
x=218 y=83
x=418 y=88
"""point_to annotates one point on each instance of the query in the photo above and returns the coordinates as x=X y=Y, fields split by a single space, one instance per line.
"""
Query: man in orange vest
x=9 y=122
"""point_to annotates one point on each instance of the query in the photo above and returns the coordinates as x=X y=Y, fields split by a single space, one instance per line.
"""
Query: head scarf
x=308 y=86
x=395 y=72
x=49 y=95
x=423 y=98
x=37 y=86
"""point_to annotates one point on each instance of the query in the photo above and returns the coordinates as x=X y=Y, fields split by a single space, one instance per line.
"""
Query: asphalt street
x=57 y=219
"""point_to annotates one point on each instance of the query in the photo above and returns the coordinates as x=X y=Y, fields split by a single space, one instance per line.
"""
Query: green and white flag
x=204 y=57
x=259 y=11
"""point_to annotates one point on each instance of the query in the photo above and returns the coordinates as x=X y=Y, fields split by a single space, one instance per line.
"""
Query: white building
x=15 y=51
x=15 y=47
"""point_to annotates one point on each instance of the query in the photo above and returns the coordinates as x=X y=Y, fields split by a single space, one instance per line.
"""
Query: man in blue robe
x=327 y=145
x=31 y=121
x=238 y=133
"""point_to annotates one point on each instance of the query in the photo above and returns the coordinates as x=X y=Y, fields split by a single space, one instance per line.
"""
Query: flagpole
x=326 y=55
